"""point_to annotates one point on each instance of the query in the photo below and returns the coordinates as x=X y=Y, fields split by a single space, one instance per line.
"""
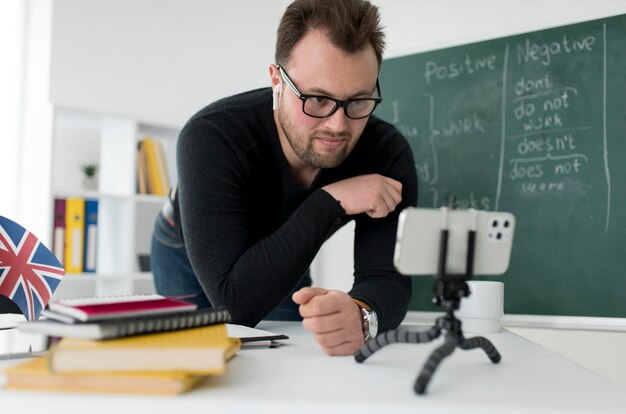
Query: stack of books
x=152 y=172
x=149 y=344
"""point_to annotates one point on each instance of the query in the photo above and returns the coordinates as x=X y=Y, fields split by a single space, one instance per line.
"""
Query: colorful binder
x=91 y=235
x=58 y=237
x=74 y=234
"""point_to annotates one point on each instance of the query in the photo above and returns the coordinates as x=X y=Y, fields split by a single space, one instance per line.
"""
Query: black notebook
x=117 y=328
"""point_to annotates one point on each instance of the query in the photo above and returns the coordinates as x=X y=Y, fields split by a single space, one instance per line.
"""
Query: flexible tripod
x=449 y=290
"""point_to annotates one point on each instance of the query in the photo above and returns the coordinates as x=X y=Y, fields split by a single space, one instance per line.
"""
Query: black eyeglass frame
x=338 y=102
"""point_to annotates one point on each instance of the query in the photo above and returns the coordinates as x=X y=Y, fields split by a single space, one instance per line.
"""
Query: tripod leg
x=432 y=363
x=484 y=344
x=395 y=336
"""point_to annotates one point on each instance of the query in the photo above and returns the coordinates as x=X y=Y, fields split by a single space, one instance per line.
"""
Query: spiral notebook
x=118 y=328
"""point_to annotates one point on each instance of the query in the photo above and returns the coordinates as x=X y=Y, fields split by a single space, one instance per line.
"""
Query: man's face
x=317 y=67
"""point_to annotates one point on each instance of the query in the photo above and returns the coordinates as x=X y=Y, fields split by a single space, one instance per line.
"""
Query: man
x=265 y=177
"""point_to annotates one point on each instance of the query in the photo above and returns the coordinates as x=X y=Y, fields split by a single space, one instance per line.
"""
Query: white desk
x=300 y=378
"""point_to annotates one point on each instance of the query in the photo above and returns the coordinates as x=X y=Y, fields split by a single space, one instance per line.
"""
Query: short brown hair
x=351 y=25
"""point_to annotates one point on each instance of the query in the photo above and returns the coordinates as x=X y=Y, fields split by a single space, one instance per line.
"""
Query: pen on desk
x=247 y=339
x=27 y=354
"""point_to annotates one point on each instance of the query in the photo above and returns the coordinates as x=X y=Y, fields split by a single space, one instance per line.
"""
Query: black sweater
x=251 y=232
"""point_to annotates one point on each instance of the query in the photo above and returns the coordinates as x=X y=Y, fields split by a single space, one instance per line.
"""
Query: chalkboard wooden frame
x=534 y=124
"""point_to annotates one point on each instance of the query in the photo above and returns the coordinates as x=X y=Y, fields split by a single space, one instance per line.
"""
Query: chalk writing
x=544 y=52
x=546 y=148
x=533 y=103
x=465 y=125
x=533 y=131
x=409 y=131
x=467 y=66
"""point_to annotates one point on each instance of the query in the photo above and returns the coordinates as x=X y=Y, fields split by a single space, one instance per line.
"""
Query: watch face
x=373 y=324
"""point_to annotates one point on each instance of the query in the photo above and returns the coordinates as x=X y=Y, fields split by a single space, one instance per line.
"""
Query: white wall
x=11 y=85
x=420 y=25
x=158 y=61
x=25 y=113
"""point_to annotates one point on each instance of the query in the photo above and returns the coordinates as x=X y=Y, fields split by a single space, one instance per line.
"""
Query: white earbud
x=275 y=95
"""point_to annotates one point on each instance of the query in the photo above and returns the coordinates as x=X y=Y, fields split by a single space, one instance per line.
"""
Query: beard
x=304 y=146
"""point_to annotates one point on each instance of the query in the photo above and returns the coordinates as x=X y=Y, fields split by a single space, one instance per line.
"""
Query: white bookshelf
x=125 y=218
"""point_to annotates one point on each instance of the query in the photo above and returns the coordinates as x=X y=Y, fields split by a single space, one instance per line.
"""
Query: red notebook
x=119 y=307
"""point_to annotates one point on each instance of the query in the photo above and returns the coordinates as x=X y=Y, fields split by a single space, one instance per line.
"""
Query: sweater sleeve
x=237 y=270
x=376 y=282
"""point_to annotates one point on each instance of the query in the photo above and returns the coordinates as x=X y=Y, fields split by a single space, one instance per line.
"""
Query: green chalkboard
x=534 y=124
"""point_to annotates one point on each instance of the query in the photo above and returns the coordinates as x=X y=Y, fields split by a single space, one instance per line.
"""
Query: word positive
x=434 y=70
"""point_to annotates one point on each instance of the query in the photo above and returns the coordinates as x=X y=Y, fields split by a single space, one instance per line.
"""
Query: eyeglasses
x=320 y=106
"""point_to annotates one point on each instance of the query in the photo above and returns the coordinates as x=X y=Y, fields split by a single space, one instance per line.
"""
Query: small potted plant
x=90 y=181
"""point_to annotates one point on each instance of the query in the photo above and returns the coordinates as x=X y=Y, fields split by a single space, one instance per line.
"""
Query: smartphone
x=419 y=234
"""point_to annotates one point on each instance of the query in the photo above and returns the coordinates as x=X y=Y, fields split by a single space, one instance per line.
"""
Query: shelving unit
x=125 y=218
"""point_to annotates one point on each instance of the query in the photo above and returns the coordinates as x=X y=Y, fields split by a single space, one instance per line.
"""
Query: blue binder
x=91 y=235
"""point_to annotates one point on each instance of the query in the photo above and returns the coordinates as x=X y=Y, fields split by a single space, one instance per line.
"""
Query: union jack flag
x=29 y=272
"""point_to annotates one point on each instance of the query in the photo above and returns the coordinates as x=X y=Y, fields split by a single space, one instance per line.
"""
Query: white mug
x=481 y=312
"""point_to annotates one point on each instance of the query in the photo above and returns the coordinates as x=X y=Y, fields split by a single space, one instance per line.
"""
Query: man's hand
x=373 y=194
x=333 y=318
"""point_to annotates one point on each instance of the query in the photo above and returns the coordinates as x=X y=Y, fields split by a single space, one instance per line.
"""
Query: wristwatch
x=369 y=320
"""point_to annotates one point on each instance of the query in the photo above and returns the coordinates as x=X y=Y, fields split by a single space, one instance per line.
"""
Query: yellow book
x=74 y=234
x=34 y=375
x=201 y=351
x=142 y=180
x=162 y=164
x=154 y=178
